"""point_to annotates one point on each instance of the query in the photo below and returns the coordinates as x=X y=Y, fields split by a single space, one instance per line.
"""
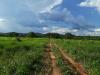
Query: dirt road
x=55 y=68
x=77 y=66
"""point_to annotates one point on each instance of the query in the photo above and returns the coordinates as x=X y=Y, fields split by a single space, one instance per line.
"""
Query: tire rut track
x=55 y=69
x=76 y=66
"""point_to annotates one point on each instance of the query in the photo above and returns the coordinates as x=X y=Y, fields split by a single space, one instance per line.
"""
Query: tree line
x=49 y=35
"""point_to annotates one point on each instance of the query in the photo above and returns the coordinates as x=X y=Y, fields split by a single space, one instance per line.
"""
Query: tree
x=69 y=36
x=12 y=34
x=54 y=35
x=31 y=34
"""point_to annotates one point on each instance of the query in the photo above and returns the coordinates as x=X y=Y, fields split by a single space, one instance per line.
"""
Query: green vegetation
x=87 y=52
x=49 y=35
x=21 y=57
x=64 y=66
x=26 y=55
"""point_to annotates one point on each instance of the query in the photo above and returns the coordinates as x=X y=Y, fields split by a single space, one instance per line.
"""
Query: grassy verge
x=87 y=52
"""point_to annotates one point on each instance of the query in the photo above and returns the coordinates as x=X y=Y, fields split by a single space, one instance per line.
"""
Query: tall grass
x=20 y=58
x=87 y=52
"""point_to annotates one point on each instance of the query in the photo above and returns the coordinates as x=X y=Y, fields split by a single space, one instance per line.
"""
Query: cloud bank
x=64 y=18
x=42 y=5
x=91 y=3
x=22 y=15
x=40 y=16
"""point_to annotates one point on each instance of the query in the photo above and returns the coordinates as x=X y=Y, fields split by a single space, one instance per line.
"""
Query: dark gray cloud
x=65 y=17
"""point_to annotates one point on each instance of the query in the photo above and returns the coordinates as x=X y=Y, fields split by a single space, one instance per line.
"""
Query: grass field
x=87 y=52
x=21 y=58
x=26 y=57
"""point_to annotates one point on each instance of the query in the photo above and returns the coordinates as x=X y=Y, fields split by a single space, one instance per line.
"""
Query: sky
x=79 y=17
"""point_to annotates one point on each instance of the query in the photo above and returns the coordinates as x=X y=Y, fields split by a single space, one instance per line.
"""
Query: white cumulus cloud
x=42 y=5
x=91 y=3
x=22 y=15
x=10 y=26
x=97 y=30
x=62 y=30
